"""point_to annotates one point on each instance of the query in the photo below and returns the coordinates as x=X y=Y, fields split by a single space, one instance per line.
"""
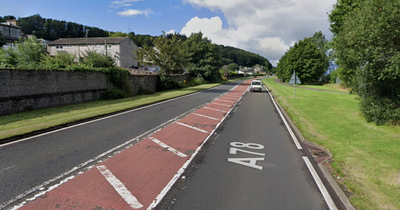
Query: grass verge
x=27 y=122
x=366 y=157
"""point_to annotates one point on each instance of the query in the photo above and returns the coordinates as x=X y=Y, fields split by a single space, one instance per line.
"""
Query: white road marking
x=5 y=169
x=160 y=196
x=163 y=145
x=225 y=100
x=215 y=109
x=120 y=188
x=222 y=104
x=200 y=115
x=294 y=138
x=194 y=128
x=321 y=186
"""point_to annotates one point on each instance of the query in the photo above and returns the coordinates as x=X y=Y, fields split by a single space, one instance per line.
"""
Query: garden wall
x=27 y=90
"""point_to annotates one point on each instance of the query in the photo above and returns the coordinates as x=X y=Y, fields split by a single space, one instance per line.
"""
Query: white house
x=120 y=48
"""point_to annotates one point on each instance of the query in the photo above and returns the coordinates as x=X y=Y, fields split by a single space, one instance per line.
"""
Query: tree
x=341 y=12
x=368 y=47
x=203 y=57
x=232 y=67
x=304 y=57
x=322 y=44
x=166 y=54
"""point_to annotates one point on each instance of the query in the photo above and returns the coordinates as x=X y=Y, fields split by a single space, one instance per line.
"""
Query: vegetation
x=365 y=156
x=367 y=52
x=203 y=57
x=306 y=59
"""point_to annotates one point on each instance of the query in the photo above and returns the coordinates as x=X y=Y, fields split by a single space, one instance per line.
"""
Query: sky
x=264 y=27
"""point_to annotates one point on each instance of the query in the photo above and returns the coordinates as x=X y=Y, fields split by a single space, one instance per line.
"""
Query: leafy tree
x=118 y=34
x=203 y=57
x=322 y=44
x=341 y=12
x=368 y=48
x=304 y=57
x=166 y=54
x=30 y=53
x=232 y=67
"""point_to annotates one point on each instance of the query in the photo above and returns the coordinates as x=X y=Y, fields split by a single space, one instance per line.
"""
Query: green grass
x=330 y=87
x=366 y=156
x=26 y=122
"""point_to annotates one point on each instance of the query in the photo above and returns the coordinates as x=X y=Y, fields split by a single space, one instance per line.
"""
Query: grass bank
x=366 y=157
x=26 y=122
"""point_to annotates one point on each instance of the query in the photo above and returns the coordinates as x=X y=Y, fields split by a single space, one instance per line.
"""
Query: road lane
x=31 y=163
x=251 y=164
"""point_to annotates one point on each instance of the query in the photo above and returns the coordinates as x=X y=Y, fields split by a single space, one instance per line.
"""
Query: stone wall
x=27 y=90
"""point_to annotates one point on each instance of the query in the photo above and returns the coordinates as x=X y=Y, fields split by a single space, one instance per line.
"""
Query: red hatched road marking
x=143 y=170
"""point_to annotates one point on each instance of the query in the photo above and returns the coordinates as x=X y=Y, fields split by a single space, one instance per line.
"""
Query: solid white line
x=200 y=115
x=294 y=138
x=120 y=188
x=321 y=186
x=160 y=196
x=163 y=145
x=194 y=128
x=214 y=109
x=222 y=104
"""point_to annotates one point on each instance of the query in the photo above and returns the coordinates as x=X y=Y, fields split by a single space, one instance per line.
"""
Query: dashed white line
x=321 y=186
x=163 y=145
x=200 y=115
x=194 y=128
x=120 y=188
x=215 y=109
x=222 y=104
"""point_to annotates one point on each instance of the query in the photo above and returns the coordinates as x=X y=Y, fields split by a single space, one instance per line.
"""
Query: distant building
x=120 y=48
x=11 y=32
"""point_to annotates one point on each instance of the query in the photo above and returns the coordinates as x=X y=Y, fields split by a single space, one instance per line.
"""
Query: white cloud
x=171 y=32
x=123 y=3
x=265 y=27
x=134 y=12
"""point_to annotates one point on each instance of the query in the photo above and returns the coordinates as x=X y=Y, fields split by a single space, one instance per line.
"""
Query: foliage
x=367 y=51
x=322 y=44
x=333 y=76
x=341 y=12
x=166 y=83
x=232 y=67
x=8 y=58
x=60 y=61
x=97 y=60
x=304 y=57
x=203 y=57
x=241 y=57
x=50 y=29
x=166 y=54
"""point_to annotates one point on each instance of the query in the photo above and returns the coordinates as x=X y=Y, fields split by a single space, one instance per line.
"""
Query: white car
x=256 y=85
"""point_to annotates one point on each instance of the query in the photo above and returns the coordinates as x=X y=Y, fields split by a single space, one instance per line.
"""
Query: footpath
x=140 y=176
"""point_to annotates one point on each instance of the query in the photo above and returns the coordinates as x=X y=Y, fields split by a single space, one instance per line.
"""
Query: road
x=131 y=160
x=253 y=163
x=40 y=161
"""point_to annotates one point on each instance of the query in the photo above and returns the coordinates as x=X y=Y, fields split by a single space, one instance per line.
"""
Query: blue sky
x=265 y=27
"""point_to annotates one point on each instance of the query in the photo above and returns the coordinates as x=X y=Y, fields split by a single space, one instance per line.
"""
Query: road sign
x=294 y=79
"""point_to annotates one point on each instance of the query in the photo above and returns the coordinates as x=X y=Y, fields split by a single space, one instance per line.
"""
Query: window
x=59 y=47
x=110 y=46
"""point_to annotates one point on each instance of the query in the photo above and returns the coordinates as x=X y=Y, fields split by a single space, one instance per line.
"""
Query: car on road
x=256 y=85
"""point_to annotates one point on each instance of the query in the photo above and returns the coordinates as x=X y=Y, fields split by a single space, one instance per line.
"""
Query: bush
x=97 y=60
x=166 y=83
x=113 y=93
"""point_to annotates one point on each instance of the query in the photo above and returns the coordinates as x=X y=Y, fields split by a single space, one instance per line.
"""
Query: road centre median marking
x=194 y=128
x=222 y=104
x=215 y=109
x=180 y=154
x=200 y=115
x=120 y=187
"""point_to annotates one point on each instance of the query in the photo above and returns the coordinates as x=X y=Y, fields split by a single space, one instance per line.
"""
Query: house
x=120 y=48
x=11 y=32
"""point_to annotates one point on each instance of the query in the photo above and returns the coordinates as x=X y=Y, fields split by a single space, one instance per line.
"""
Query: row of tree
x=366 y=46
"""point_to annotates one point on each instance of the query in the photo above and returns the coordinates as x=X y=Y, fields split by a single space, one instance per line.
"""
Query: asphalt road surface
x=40 y=161
x=252 y=163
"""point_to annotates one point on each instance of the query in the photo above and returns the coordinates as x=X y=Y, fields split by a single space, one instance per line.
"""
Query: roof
x=90 y=40
x=10 y=25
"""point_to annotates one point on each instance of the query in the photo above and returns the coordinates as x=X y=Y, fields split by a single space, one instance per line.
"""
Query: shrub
x=166 y=83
